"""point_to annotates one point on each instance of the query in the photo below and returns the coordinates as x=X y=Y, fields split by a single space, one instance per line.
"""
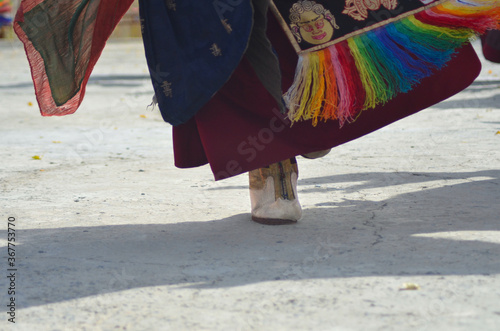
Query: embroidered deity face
x=315 y=28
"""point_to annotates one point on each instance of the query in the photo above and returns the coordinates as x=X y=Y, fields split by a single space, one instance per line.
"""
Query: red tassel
x=356 y=95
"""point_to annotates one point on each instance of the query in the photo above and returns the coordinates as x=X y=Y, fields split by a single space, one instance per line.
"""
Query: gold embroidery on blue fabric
x=171 y=5
x=358 y=9
x=227 y=26
x=167 y=89
x=216 y=51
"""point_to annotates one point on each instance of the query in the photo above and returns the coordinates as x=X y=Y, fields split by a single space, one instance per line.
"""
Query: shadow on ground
x=359 y=238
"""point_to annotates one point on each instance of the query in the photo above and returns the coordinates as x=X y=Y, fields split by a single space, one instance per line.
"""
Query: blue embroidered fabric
x=192 y=48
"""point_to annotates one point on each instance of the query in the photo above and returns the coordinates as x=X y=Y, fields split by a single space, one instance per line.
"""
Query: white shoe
x=273 y=193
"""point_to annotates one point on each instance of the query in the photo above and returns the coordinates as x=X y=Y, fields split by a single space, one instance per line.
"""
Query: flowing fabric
x=241 y=127
x=63 y=41
x=356 y=55
x=193 y=48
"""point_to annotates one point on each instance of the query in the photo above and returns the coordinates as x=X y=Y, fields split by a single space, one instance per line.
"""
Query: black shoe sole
x=272 y=221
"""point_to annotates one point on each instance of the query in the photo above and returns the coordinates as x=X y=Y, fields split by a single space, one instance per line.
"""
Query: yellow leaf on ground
x=498 y=132
x=36 y=157
x=142 y=116
x=56 y=141
x=410 y=287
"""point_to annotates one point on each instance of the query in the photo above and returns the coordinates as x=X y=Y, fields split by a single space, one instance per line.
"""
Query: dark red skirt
x=241 y=128
x=491 y=46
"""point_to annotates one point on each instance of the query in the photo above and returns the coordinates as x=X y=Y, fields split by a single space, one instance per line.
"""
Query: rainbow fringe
x=338 y=82
x=5 y=9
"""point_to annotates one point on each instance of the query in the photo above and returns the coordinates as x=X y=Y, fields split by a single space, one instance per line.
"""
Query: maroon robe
x=491 y=45
x=241 y=129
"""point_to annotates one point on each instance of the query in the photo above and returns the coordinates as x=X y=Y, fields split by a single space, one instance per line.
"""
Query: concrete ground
x=401 y=228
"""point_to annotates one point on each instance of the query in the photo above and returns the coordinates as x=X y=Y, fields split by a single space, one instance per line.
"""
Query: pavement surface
x=401 y=228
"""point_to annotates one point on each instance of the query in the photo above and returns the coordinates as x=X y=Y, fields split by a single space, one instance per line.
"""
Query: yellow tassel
x=308 y=86
x=364 y=74
x=317 y=93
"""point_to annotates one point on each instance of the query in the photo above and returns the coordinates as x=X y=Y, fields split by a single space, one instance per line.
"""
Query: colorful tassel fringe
x=338 y=82
x=5 y=9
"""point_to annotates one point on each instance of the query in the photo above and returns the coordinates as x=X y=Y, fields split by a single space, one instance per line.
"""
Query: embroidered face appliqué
x=312 y=23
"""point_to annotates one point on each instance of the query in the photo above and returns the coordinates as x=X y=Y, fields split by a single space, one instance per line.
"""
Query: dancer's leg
x=273 y=193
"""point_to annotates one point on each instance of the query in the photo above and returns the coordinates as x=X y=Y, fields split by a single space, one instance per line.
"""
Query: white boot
x=273 y=193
